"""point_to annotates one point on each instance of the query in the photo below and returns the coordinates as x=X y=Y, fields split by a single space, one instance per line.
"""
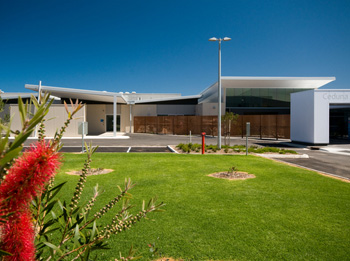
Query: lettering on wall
x=336 y=96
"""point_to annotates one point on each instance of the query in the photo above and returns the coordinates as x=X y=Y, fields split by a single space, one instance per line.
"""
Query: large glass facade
x=259 y=97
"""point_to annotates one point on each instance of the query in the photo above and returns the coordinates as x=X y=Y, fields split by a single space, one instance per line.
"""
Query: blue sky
x=162 y=46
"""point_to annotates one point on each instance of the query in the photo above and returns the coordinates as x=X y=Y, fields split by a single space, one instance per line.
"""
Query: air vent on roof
x=126 y=92
x=133 y=92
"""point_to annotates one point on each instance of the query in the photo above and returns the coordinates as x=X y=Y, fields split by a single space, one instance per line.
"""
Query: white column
x=114 y=115
x=39 y=100
x=130 y=118
x=39 y=92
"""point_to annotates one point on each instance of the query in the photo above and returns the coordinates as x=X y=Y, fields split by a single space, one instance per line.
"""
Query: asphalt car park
x=332 y=159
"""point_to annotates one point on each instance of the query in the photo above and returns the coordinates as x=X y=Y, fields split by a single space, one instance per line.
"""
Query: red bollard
x=203 y=142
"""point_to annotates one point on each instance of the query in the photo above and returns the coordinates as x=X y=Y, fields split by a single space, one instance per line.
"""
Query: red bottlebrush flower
x=28 y=175
x=26 y=179
x=18 y=237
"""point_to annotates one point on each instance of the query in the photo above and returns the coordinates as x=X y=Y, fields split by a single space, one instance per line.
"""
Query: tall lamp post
x=214 y=39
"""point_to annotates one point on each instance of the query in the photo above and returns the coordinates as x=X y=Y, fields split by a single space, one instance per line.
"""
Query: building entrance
x=339 y=121
x=109 y=123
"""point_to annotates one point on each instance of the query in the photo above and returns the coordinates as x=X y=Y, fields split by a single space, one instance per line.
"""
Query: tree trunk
x=229 y=132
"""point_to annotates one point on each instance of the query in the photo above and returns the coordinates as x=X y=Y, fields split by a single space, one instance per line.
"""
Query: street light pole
x=219 y=87
x=219 y=99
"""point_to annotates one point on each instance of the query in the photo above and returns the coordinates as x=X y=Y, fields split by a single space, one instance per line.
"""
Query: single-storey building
x=317 y=115
x=264 y=101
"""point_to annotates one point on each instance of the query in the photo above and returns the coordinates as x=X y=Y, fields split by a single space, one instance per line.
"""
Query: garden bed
x=96 y=171
x=232 y=175
x=196 y=148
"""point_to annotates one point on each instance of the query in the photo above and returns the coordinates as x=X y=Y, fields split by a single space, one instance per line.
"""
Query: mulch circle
x=232 y=175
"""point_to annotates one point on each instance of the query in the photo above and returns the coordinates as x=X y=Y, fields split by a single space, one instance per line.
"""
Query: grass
x=284 y=213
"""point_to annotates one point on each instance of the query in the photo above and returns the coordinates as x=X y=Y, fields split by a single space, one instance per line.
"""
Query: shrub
x=29 y=178
x=236 y=148
x=214 y=148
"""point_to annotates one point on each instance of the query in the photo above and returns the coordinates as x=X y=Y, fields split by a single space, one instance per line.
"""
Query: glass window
x=256 y=99
x=259 y=97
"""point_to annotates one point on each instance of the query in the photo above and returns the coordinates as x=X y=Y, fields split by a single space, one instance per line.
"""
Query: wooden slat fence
x=263 y=126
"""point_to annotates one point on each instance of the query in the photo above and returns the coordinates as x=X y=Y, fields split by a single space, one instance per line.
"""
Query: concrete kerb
x=284 y=156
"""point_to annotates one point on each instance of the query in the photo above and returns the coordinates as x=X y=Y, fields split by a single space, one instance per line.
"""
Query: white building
x=116 y=111
x=311 y=115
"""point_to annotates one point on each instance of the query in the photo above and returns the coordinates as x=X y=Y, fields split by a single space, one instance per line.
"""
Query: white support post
x=39 y=94
x=130 y=118
x=114 y=115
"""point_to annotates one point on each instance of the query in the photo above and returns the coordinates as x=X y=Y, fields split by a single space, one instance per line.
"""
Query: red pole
x=203 y=142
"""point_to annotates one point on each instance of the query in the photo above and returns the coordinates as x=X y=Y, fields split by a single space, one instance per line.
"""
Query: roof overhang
x=15 y=95
x=100 y=96
x=275 y=82
x=228 y=82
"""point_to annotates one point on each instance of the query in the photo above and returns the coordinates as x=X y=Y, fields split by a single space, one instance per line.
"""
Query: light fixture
x=214 y=39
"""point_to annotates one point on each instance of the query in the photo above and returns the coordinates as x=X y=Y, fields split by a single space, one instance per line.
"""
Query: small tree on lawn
x=228 y=119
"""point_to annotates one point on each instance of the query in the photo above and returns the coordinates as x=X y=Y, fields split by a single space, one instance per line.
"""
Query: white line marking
x=171 y=149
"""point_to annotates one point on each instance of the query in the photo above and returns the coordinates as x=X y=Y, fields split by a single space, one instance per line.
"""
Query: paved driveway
x=324 y=161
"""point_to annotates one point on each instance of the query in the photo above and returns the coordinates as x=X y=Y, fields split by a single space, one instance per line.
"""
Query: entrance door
x=109 y=120
x=339 y=123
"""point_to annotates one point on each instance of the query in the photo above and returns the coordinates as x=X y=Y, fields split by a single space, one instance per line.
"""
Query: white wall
x=109 y=109
x=125 y=119
x=199 y=109
x=302 y=116
x=55 y=119
x=211 y=109
x=145 y=110
x=310 y=114
x=94 y=114
x=172 y=109
x=57 y=115
x=5 y=112
x=15 y=118
x=321 y=119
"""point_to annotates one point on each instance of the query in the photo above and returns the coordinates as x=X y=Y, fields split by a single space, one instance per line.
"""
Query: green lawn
x=285 y=213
